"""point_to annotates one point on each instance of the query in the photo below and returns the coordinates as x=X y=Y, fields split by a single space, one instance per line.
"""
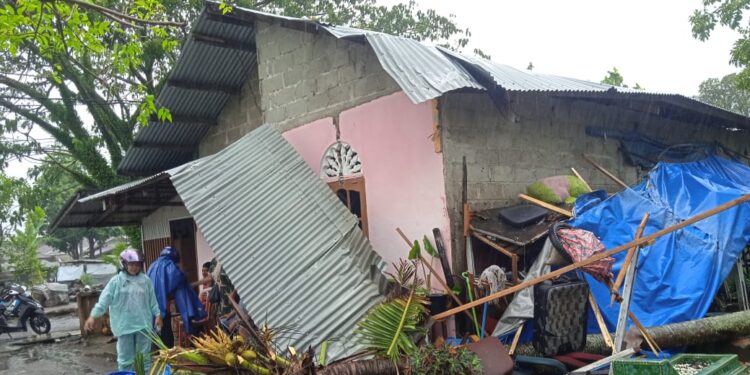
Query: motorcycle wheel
x=40 y=324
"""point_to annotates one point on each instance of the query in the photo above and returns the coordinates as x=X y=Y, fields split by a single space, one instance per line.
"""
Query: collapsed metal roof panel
x=292 y=250
x=420 y=70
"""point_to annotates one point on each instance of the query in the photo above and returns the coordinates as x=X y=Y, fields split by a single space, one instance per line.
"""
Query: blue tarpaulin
x=680 y=273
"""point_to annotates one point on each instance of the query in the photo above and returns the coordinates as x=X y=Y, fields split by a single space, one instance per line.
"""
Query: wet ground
x=71 y=355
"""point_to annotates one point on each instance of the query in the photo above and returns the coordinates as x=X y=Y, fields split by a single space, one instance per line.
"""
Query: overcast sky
x=648 y=41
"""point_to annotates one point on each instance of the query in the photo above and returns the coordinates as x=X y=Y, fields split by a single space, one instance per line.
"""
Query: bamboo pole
x=606 y=172
x=597 y=257
x=600 y=321
x=575 y=172
x=546 y=205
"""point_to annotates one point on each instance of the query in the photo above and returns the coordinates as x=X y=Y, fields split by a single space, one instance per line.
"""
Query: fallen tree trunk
x=695 y=332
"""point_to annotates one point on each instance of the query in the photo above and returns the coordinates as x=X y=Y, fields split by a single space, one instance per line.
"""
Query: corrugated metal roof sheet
x=422 y=71
x=203 y=64
x=178 y=133
x=290 y=247
x=125 y=187
x=145 y=160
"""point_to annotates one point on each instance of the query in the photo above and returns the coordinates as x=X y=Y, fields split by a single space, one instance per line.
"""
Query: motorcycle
x=30 y=313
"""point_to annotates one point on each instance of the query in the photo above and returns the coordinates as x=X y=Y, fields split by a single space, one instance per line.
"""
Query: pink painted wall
x=404 y=183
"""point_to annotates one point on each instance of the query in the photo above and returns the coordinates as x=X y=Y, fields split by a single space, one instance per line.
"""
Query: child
x=132 y=305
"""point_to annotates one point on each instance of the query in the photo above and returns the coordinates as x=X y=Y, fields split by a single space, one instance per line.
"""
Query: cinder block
x=293 y=77
x=477 y=173
x=297 y=108
x=501 y=173
x=272 y=84
x=340 y=93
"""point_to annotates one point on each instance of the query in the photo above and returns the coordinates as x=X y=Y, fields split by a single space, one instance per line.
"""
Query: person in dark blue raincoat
x=170 y=282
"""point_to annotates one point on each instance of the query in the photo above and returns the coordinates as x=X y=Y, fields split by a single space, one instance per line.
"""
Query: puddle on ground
x=70 y=356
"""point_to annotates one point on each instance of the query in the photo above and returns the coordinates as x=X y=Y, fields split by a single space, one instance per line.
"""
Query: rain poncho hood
x=169 y=281
x=131 y=302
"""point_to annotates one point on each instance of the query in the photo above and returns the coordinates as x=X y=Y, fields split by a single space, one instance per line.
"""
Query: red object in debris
x=580 y=244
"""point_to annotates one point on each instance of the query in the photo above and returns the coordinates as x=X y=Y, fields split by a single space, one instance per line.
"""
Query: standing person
x=206 y=282
x=170 y=283
x=129 y=297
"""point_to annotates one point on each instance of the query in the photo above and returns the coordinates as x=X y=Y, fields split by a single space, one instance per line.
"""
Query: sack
x=214 y=295
x=560 y=316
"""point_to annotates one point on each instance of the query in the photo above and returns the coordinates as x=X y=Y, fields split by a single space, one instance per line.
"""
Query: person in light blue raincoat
x=132 y=305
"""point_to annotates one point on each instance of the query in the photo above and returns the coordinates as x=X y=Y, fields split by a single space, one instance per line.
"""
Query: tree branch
x=59 y=135
x=120 y=17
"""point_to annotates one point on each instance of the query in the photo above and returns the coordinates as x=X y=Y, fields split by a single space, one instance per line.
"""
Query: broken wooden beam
x=546 y=205
x=606 y=172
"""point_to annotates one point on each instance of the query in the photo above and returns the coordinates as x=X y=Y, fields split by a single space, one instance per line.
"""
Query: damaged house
x=274 y=118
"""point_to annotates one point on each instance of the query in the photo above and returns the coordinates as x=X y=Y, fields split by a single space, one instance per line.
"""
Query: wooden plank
x=575 y=172
x=600 y=321
x=629 y=256
x=603 y=362
x=514 y=344
x=597 y=257
x=513 y=257
x=647 y=336
x=436 y=136
x=546 y=205
x=606 y=172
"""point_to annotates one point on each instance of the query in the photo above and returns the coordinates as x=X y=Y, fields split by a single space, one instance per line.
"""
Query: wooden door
x=182 y=233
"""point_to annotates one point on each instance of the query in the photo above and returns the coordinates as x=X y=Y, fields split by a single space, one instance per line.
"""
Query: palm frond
x=387 y=328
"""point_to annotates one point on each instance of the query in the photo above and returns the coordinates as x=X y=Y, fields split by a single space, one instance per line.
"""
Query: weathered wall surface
x=403 y=174
x=306 y=76
x=543 y=137
x=156 y=225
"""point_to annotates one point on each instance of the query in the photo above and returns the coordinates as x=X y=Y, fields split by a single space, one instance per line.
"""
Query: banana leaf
x=387 y=328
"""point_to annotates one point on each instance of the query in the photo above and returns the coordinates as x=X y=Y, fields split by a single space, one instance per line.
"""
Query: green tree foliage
x=50 y=188
x=614 y=78
x=10 y=188
x=725 y=93
x=731 y=14
x=21 y=250
x=61 y=59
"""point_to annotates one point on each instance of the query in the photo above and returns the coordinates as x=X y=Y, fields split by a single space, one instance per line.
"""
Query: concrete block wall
x=305 y=76
x=542 y=137
x=241 y=114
